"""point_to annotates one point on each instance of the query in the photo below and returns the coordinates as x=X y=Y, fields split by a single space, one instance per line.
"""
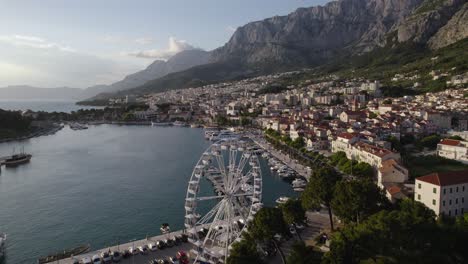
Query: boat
x=3 y=238
x=299 y=183
x=180 y=124
x=195 y=126
x=64 y=254
x=298 y=189
x=165 y=228
x=17 y=159
x=78 y=126
x=282 y=200
x=160 y=123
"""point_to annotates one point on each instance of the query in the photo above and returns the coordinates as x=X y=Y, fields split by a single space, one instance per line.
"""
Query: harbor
x=93 y=195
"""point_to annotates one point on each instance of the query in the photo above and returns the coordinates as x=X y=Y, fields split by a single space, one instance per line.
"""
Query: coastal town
x=234 y=132
x=410 y=147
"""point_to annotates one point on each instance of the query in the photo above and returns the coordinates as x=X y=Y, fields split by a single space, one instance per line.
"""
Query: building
x=445 y=193
x=391 y=172
x=453 y=149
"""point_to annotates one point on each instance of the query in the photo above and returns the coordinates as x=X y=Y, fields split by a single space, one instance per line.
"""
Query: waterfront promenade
x=293 y=164
x=138 y=258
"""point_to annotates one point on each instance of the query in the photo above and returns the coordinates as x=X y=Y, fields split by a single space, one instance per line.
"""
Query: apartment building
x=453 y=149
x=445 y=193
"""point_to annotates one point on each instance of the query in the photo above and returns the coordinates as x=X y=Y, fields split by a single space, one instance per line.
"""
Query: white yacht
x=299 y=183
x=282 y=200
x=2 y=245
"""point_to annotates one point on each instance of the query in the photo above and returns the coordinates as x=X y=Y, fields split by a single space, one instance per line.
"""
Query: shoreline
x=50 y=130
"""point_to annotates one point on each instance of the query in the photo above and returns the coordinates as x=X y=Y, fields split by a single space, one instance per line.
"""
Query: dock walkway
x=139 y=258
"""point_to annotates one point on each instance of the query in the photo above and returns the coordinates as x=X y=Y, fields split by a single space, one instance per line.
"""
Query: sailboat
x=17 y=159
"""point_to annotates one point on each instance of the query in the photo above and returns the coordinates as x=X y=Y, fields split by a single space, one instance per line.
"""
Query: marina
x=93 y=184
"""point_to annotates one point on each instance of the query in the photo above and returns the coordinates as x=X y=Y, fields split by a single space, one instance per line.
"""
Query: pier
x=138 y=258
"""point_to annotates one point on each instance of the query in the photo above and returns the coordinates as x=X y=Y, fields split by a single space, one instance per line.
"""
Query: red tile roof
x=346 y=135
x=393 y=190
x=446 y=178
x=450 y=142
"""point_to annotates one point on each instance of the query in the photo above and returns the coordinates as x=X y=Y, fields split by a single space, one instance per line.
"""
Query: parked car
x=126 y=254
x=96 y=259
x=173 y=260
x=160 y=244
x=116 y=256
x=152 y=246
x=143 y=249
x=133 y=251
x=106 y=257
x=86 y=260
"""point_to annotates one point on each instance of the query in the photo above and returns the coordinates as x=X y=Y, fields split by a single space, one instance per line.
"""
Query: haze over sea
x=101 y=185
x=66 y=106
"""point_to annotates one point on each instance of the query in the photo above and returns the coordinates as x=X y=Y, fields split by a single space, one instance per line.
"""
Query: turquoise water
x=41 y=105
x=100 y=186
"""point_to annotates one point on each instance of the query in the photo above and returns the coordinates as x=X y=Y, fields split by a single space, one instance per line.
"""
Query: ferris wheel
x=223 y=195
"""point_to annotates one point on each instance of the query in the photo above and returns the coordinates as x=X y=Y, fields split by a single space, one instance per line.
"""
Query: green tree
x=266 y=224
x=355 y=200
x=298 y=143
x=244 y=252
x=292 y=211
x=319 y=190
x=302 y=254
x=430 y=141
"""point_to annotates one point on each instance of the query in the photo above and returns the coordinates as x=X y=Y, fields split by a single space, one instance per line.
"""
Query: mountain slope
x=322 y=35
x=456 y=29
x=179 y=62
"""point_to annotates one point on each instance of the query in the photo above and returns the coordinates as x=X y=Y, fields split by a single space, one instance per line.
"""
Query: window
x=450 y=202
x=457 y=189
x=450 y=213
x=456 y=211
x=463 y=188
x=450 y=189
x=434 y=190
x=463 y=199
x=419 y=186
x=445 y=191
x=456 y=201
x=433 y=201
x=462 y=211
x=443 y=203
x=419 y=197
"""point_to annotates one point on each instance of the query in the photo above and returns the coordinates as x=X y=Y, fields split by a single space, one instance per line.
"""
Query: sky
x=81 y=43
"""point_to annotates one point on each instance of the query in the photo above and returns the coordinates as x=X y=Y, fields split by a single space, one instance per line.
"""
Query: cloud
x=174 y=46
x=144 y=41
x=33 y=42
x=230 y=29
x=38 y=62
x=112 y=39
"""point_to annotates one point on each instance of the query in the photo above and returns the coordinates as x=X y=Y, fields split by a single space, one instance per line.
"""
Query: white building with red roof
x=453 y=149
x=445 y=193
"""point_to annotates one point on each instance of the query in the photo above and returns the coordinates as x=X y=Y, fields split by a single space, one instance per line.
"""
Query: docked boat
x=282 y=200
x=165 y=228
x=64 y=254
x=17 y=159
x=180 y=124
x=3 y=238
x=78 y=126
x=299 y=183
x=160 y=124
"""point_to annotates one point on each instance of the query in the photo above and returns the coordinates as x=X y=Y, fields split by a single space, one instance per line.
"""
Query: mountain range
x=307 y=37
x=320 y=35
